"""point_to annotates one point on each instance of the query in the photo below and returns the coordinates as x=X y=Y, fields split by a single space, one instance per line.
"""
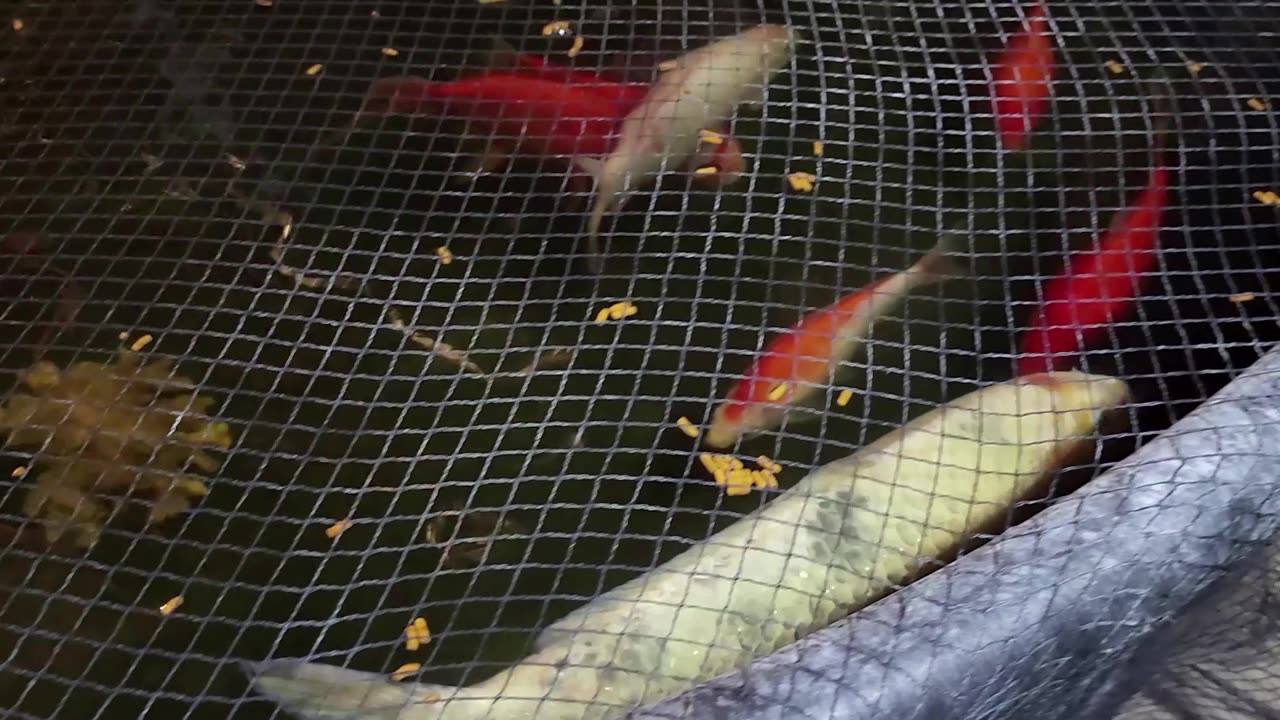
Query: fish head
x=734 y=420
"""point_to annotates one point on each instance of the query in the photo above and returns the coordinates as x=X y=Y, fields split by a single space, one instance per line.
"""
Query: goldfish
x=1024 y=80
x=1099 y=286
x=847 y=534
x=698 y=93
x=795 y=365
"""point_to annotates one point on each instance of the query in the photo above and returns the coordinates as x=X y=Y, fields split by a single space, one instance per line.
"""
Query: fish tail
x=316 y=691
x=603 y=199
x=949 y=258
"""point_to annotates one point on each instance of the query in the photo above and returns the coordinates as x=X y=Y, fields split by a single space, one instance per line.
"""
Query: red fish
x=537 y=110
x=1024 y=81
x=1099 y=286
x=794 y=366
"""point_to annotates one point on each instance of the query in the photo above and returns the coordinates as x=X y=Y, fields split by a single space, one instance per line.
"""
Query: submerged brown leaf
x=104 y=431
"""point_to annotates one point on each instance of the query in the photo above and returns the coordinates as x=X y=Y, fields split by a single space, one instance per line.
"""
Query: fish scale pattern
x=430 y=405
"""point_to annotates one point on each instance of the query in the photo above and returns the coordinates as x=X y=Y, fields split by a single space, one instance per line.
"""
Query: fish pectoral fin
x=326 y=692
x=591 y=166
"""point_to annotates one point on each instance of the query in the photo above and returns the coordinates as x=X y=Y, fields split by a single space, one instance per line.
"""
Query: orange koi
x=1099 y=286
x=1024 y=80
x=797 y=364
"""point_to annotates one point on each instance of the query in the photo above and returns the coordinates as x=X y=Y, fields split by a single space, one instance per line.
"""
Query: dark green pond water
x=337 y=415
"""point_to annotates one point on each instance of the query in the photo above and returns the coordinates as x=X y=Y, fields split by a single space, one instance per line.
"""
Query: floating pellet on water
x=708 y=170
x=845 y=396
x=18 y=472
x=123 y=336
x=777 y=392
x=1257 y=104
x=432 y=698
x=412 y=645
x=687 y=427
x=390 y=51
x=668 y=65
x=765 y=462
x=559 y=27
x=140 y=343
x=817 y=148
x=802 y=181
x=1115 y=67
x=1195 y=67
x=315 y=69
x=576 y=48
x=420 y=624
x=1266 y=197
x=1243 y=297
x=405 y=671
x=617 y=311
x=446 y=255
x=173 y=604
x=711 y=137
x=18 y=25
x=336 y=529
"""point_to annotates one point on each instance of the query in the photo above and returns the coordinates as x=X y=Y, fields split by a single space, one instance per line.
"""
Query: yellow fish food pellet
x=1243 y=297
x=1257 y=104
x=708 y=170
x=777 y=392
x=845 y=396
x=711 y=137
x=390 y=51
x=445 y=254
x=687 y=427
x=559 y=27
x=140 y=343
x=417 y=634
x=764 y=462
x=802 y=181
x=173 y=604
x=617 y=311
x=335 y=530
x=817 y=148
x=315 y=69
x=405 y=671
x=1115 y=67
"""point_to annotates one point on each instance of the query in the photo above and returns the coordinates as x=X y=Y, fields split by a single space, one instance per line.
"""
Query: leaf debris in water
x=111 y=429
x=436 y=347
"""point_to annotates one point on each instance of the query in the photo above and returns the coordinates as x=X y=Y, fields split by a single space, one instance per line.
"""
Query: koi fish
x=797 y=364
x=698 y=94
x=1100 y=286
x=846 y=535
x=1024 y=80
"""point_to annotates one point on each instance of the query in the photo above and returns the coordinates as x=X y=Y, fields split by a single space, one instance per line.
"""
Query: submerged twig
x=272 y=214
x=436 y=347
x=558 y=357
